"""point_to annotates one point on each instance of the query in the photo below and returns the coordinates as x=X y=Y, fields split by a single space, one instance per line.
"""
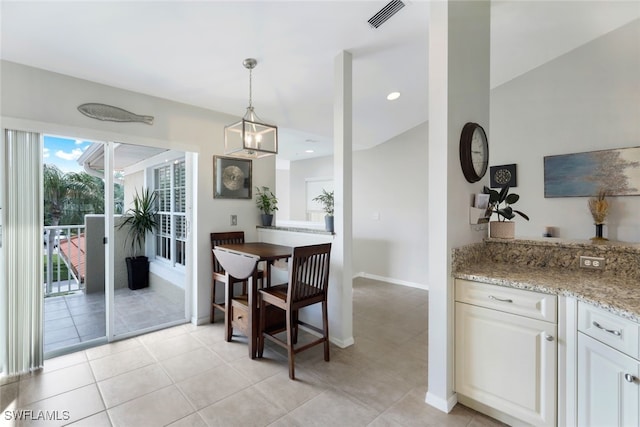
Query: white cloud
x=79 y=142
x=46 y=153
x=73 y=155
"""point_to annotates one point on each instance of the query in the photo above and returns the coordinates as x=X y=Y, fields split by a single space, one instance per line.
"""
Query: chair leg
x=295 y=327
x=263 y=321
x=213 y=299
x=291 y=354
x=228 y=294
x=325 y=327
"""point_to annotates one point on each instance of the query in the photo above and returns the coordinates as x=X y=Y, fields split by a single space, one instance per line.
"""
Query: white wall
x=389 y=183
x=284 y=199
x=585 y=100
x=132 y=182
x=38 y=100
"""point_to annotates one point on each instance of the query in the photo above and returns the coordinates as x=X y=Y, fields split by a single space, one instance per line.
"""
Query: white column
x=459 y=55
x=341 y=280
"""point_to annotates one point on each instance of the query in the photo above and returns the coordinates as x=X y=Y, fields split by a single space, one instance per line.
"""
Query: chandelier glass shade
x=250 y=137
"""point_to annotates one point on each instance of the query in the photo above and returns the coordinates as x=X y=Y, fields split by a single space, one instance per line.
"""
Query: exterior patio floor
x=79 y=317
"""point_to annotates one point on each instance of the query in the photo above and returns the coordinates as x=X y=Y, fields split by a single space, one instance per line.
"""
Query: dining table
x=240 y=260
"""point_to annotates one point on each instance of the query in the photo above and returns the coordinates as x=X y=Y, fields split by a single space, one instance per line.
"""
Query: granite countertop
x=619 y=295
x=295 y=229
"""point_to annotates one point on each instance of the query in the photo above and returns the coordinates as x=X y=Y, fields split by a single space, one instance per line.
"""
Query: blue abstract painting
x=585 y=174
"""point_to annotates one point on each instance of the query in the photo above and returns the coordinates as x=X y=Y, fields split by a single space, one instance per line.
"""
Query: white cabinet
x=505 y=354
x=608 y=385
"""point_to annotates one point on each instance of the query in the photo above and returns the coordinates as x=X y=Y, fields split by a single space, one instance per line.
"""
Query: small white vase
x=502 y=229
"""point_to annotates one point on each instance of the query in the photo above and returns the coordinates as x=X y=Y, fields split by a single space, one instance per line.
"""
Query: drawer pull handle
x=630 y=378
x=500 y=299
x=611 y=331
x=548 y=338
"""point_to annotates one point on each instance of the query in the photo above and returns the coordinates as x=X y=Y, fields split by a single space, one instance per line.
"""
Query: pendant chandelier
x=250 y=137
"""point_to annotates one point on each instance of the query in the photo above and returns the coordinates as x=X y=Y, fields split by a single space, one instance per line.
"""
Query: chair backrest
x=227 y=238
x=309 y=272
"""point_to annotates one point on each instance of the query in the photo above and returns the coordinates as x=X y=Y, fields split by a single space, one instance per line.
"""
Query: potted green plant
x=267 y=203
x=326 y=200
x=140 y=220
x=500 y=204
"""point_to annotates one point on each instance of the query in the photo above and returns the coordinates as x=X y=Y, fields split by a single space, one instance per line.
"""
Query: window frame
x=172 y=214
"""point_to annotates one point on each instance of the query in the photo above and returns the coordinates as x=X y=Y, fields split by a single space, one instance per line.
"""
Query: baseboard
x=340 y=343
x=444 y=405
x=199 y=321
x=392 y=280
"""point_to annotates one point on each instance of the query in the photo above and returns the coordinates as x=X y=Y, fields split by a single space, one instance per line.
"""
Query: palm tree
x=68 y=197
x=55 y=194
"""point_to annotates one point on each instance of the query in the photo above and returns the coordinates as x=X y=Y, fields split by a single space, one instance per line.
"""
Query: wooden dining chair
x=219 y=276
x=308 y=283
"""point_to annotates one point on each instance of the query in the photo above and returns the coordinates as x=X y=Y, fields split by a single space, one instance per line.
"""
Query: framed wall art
x=503 y=174
x=232 y=178
x=617 y=172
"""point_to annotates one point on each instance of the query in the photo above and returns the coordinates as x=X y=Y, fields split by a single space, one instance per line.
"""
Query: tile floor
x=189 y=376
x=80 y=317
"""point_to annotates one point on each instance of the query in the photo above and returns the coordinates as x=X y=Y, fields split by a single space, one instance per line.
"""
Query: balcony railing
x=64 y=252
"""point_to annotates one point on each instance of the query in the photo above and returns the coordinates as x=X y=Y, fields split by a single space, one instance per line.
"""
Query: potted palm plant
x=140 y=220
x=326 y=200
x=267 y=203
x=500 y=204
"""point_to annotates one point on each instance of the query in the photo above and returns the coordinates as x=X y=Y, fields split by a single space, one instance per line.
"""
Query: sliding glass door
x=100 y=283
x=148 y=247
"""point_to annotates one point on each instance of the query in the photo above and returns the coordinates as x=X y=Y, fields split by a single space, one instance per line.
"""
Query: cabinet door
x=605 y=396
x=507 y=362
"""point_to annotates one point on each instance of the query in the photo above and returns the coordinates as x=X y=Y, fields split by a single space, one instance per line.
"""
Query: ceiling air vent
x=385 y=13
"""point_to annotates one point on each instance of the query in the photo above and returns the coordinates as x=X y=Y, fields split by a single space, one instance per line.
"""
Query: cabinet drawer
x=534 y=305
x=615 y=331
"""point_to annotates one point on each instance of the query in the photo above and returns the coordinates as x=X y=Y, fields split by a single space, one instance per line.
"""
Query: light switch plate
x=234 y=219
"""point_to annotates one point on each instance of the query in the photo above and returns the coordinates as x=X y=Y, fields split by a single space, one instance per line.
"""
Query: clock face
x=479 y=152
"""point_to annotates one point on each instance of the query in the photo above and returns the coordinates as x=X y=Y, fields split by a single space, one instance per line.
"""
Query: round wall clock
x=474 y=152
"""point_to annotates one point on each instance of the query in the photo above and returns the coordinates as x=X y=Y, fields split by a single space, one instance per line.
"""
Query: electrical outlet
x=234 y=219
x=592 y=262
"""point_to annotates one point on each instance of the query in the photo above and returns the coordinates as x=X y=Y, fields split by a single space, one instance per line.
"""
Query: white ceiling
x=192 y=52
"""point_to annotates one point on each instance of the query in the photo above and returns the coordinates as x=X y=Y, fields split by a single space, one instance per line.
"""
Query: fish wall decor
x=112 y=114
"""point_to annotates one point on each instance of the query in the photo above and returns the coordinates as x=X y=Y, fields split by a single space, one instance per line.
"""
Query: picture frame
x=231 y=178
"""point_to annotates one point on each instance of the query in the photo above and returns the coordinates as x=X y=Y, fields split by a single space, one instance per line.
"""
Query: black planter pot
x=138 y=272
x=267 y=220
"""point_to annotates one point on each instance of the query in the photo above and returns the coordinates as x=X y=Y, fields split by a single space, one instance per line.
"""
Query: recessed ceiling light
x=393 y=96
x=308 y=151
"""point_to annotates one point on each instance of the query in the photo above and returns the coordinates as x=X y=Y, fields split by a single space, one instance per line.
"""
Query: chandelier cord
x=250 y=79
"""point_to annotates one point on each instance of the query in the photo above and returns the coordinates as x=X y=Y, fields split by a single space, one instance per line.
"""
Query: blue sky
x=64 y=152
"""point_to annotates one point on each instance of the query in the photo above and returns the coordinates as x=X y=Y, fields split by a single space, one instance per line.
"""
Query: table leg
x=228 y=291
x=253 y=313
x=268 y=274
